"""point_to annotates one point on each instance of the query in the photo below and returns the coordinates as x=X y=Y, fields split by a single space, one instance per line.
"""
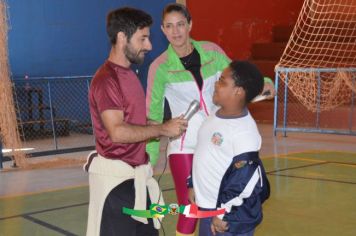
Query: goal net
x=9 y=133
x=319 y=62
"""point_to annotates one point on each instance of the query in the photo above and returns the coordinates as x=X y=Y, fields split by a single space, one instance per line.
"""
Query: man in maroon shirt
x=120 y=172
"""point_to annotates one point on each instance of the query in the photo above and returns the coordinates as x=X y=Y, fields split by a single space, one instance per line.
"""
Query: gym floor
x=312 y=176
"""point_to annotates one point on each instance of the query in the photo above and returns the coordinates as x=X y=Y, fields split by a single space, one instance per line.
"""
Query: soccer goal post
x=315 y=77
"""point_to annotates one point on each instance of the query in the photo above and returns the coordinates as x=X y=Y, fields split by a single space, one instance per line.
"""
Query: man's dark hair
x=177 y=8
x=127 y=20
x=247 y=76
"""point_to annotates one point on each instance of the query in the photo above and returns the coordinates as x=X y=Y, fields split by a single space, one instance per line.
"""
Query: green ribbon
x=157 y=210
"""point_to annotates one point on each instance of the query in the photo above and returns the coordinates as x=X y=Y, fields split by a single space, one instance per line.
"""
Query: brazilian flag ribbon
x=156 y=210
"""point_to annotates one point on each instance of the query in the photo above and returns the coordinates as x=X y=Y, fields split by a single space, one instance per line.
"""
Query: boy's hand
x=218 y=225
x=191 y=196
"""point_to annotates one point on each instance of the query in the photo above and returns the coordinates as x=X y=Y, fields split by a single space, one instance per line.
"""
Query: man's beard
x=134 y=56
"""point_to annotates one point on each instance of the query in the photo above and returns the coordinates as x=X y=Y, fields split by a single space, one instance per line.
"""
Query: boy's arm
x=241 y=177
x=237 y=185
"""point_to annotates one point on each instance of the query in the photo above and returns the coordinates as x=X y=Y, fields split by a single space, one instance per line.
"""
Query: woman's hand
x=269 y=90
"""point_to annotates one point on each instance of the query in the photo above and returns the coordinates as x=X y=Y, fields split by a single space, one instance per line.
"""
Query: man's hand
x=218 y=225
x=174 y=127
x=269 y=90
x=191 y=196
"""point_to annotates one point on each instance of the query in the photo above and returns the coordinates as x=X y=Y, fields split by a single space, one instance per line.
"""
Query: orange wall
x=236 y=24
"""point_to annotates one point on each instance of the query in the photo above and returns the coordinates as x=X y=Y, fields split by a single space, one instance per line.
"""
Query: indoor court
x=313 y=184
x=49 y=54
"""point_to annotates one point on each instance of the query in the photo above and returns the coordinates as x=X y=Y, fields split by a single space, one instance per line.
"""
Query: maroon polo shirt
x=117 y=88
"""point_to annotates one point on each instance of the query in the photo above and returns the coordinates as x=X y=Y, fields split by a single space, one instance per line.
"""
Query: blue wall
x=68 y=37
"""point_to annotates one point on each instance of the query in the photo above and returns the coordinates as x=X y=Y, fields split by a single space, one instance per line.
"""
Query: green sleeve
x=268 y=80
x=223 y=59
x=152 y=148
x=154 y=103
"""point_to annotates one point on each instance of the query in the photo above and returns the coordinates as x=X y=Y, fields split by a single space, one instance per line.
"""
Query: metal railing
x=53 y=114
x=291 y=116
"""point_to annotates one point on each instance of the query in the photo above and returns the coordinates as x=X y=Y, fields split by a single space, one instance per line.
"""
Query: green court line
x=48 y=226
x=28 y=216
x=314 y=153
x=46 y=210
x=296 y=167
x=310 y=178
x=59 y=208
x=320 y=158
x=44 y=191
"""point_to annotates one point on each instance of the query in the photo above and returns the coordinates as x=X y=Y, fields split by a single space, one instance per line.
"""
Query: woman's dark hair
x=247 y=76
x=177 y=8
x=126 y=20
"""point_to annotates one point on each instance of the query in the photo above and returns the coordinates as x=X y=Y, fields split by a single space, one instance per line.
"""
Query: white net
x=8 y=124
x=323 y=37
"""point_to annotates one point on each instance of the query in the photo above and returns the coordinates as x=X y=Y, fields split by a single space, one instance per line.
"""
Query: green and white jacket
x=167 y=78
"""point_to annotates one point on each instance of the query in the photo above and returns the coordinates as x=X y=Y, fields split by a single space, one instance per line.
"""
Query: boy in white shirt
x=227 y=171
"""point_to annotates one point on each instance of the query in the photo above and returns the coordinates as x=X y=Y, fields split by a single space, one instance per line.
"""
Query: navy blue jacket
x=243 y=189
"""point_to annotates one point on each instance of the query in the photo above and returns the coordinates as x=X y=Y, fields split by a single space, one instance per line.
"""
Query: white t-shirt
x=219 y=141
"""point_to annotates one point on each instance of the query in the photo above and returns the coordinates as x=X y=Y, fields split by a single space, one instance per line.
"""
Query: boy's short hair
x=127 y=20
x=177 y=7
x=247 y=76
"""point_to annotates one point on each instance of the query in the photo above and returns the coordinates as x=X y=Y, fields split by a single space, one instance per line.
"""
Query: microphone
x=193 y=108
x=261 y=96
